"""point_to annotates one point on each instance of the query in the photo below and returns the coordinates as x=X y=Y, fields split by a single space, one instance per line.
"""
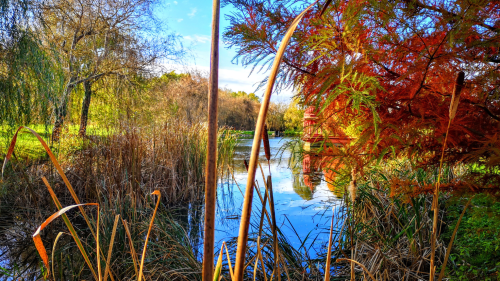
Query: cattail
x=352 y=185
x=246 y=164
x=265 y=140
x=459 y=84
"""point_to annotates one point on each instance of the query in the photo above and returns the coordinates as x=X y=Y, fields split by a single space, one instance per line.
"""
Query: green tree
x=294 y=115
x=100 y=39
x=30 y=76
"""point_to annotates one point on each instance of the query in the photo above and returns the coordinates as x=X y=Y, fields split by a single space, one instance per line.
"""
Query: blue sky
x=192 y=20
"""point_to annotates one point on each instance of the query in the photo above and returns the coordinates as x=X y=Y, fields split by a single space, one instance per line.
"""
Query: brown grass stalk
x=157 y=193
x=435 y=206
x=275 y=233
x=131 y=244
x=211 y=165
x=329 y=254
x=110 y=248
x=247 y=204
x=265 y=141
x=53 y=252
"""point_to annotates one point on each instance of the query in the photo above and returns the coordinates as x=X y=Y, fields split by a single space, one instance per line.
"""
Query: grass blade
x=275 y=233
x=229 y=261
x=70 y=227
x=53 y=251
x=265 y=141
x=110 y=250
x=157 y=193
x=38 y=240
x=218 y=267
x=131 y=244
x=247 y=204
x=329 y=254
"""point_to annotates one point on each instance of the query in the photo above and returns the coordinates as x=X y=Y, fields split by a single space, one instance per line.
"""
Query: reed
x=459 y=84
x=130 y=161
x=130 y=158
x=247 y=204
x=211 y=164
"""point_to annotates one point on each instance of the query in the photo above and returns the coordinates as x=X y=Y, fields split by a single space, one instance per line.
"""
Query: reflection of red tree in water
x=321 y=147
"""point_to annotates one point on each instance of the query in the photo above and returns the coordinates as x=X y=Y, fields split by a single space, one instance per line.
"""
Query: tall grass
x=133 y=161
x=388 y=230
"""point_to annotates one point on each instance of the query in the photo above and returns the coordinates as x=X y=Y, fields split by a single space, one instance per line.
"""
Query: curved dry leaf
x=38 y=240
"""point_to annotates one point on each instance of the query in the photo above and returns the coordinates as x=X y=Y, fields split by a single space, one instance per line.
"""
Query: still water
x=300 y=210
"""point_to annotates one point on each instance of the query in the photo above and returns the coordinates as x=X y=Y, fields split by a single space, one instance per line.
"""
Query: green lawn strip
x=28 y=147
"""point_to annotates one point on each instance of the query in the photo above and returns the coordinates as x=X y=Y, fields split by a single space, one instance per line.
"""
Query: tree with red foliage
x=387 y=69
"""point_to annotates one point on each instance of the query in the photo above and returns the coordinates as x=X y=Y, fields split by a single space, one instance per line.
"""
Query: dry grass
x=133 y=162
x=386 y=235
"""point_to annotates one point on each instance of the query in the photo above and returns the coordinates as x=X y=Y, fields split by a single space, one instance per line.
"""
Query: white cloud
x=175 y=3
x=197 y=38
x=179 y=20
x=193 y=12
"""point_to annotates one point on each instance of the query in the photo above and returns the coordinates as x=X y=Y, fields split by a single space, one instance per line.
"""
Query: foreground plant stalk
x=247 y=204
x=211 y=164
x=459 y=84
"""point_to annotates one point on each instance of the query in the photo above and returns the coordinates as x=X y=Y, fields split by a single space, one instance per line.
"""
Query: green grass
x=476 y=252
x=28 y=146
x=245 y=134
x=292 y=133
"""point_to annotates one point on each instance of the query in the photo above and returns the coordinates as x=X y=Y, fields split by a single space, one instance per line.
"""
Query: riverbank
x=286 y=133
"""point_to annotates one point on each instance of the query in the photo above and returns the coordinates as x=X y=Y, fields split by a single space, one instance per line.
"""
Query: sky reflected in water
x=309 y=212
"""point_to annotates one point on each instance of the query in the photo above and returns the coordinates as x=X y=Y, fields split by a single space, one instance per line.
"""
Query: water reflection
x=304 y=198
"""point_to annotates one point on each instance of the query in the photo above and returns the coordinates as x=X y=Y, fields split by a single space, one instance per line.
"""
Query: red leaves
x=415 y=53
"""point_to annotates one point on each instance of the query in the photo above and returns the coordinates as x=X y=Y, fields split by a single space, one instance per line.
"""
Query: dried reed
x=435 y=206
x=247 y=204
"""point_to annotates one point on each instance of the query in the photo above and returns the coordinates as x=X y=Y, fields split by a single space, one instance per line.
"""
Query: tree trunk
x=87 y=85
x=61 y=112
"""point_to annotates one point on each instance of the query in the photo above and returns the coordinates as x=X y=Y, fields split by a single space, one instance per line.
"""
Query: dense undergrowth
x=476 y=252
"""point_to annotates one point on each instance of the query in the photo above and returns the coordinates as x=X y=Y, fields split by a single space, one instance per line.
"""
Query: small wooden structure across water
x=320 y=145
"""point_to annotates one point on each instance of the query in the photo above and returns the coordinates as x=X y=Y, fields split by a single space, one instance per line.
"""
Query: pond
x=301 y=211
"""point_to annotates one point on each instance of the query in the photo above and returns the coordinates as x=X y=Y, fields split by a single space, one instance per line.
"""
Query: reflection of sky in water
x=308 y=212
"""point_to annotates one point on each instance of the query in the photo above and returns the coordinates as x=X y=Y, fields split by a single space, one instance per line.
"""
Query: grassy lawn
x=28 y=146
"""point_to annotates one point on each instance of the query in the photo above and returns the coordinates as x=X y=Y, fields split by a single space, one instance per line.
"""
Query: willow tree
x=98 y=39
x=388 y=69
x=30 y=76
